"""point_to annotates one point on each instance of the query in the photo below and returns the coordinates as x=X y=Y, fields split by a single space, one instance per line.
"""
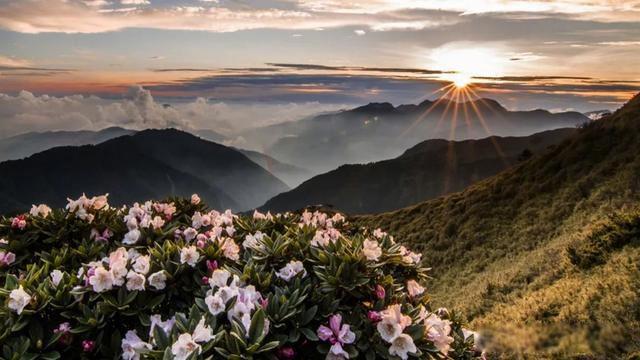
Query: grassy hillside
x=544 y=256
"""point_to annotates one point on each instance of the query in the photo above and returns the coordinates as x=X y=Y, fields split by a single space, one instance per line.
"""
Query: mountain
x=149 y=164
x=290 y=174
x=543 y=258
x=381 y=131
x=210 y=135
x=21 y=146
x=425 y=171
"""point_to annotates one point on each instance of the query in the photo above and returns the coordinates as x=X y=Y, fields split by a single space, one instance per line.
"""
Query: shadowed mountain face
x=21 y=146
x=290 y=174
x=427 y=170
x=381 y=131
x=543 y=258
x=150 y=164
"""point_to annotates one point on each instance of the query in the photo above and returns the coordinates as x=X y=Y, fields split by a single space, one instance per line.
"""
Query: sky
x=278 y=60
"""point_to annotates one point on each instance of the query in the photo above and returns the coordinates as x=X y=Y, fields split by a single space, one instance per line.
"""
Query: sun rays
x=459 y=99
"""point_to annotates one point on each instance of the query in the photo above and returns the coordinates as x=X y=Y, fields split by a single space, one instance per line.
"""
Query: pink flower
x=88 y=345
x=374 y=316
x=19 y=222
x=65 y=330
x=264 y=302
x=98 y=236
x=380 y=292
x=7 y=258
x=200 y=243
x=337 y=334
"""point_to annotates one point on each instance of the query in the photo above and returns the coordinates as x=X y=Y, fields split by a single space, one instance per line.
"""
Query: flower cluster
x=176 y=280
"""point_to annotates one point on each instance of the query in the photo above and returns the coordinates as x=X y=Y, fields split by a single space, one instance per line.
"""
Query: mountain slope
x=509 y=251
x=382 y=131
x=149 y=164
x=425 y=171
x=21 y=146
x=290 y=174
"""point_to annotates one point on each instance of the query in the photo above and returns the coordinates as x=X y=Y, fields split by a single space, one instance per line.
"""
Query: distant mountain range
x=542 y=258
x=21 y=146
x=381 y=131
x=289 y=174
x=149 y=164
x=428 y=170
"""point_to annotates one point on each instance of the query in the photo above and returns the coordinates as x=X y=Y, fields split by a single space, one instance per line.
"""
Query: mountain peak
x=375 y=107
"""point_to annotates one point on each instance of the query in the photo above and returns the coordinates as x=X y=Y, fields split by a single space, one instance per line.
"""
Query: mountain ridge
x=424 y=171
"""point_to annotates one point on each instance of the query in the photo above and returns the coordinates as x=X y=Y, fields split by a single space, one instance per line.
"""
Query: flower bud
x=88 y=345
x=286 y=353
x=442 y=313
x=380 y=292
x=374 y=316
x=212 y=265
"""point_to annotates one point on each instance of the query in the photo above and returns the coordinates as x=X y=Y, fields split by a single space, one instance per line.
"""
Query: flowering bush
x=175 y=280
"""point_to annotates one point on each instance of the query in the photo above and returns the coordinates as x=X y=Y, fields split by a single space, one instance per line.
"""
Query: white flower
x=190 y=233
x=402 y=345
x=215 y=304
x=414 y=288
x=466 y=333
x=157 y=222
x=202 y=333
x=393 y=322
x=409 y=257
x=135 y=281
x=184 y=347
x=133 y=346
x=219 y=278
x=56 y=277
x=290 y=270
x=99 y=202
x=379 y=233
x=166 y=326
x=158 y=279
x=142 y=264
x=389 y=329
x=131 y=237
x=40 y=210
x=195 y=199
x=230 y=230
x=438 y=332
x=18 y=299
x=227 y=292
x=189 y=255
x=197 y=220
x=132 y=222
x=101 y=280
x=4 y=241
x=253 y=241
x=230 y=249
x=371 y=250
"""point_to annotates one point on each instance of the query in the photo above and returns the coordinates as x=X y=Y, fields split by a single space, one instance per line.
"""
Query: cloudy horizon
x=292 y=57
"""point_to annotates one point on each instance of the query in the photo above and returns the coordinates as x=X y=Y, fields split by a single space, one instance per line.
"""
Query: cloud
x=138 y=109
x=356 y=68
x=360 y=32
x=21 y=65
x=74 y=16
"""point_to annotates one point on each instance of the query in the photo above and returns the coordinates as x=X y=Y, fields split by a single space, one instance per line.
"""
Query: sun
x=462 y=63
x=460 y=80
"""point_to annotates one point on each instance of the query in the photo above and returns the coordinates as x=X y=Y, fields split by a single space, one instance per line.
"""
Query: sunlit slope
x=500 y=249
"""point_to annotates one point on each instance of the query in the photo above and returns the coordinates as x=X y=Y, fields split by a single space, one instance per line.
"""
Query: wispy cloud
x=35 y=16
